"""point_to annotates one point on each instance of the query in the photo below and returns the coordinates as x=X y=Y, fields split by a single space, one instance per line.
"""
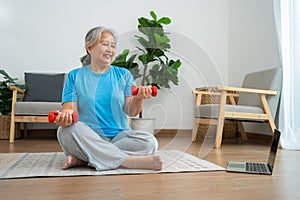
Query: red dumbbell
x=135 y=90
x=52 y=115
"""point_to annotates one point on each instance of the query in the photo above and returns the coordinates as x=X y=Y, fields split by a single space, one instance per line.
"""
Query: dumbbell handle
x=135 y=90
x=52 y=115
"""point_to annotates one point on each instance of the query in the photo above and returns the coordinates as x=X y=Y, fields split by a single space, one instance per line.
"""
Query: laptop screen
x=273 y=150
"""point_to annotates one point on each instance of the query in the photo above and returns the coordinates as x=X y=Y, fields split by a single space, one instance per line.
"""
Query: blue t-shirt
x=100 y=98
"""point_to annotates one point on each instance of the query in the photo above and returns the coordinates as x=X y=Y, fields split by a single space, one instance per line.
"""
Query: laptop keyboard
x=256 y=167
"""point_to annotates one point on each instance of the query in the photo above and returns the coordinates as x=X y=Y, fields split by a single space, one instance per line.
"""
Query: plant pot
x=145 y=124
x=5 y=128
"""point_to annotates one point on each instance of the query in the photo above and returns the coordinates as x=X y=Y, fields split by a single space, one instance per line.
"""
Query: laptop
x=257 y=167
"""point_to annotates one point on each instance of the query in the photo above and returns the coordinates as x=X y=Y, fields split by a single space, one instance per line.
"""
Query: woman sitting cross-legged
x=101 y=94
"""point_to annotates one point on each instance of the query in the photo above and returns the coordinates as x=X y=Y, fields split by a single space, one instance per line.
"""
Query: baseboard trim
x=256 y=137
x=172 y=132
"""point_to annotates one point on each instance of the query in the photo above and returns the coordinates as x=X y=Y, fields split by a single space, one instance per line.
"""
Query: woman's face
x=103 y=53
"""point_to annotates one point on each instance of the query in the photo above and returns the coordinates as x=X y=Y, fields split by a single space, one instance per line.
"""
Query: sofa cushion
x=36 y=108
x=44 y=87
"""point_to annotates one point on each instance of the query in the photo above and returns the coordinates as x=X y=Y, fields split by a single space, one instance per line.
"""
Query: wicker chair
x=258 y=99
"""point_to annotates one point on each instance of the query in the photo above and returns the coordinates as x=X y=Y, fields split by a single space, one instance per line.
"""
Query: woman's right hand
x=144 y=92
x=64 y=118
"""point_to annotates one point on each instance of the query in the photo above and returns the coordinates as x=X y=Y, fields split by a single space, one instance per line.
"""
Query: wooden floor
x=283 y=184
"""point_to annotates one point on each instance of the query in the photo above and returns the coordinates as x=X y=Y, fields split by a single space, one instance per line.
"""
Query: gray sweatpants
x=104 y=153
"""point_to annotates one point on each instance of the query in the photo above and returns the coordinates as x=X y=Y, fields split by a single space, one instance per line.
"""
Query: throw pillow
x=44 y=87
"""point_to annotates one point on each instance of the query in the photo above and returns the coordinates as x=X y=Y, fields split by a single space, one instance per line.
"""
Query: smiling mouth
x=108 y=55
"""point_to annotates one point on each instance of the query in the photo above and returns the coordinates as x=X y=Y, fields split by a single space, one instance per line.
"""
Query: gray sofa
x=43 y=94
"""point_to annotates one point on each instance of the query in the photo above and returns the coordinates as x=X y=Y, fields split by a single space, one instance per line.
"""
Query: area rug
x=26 y=165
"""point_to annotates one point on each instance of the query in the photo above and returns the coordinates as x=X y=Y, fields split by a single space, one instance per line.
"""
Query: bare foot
x=72 y=161
x=143 y=162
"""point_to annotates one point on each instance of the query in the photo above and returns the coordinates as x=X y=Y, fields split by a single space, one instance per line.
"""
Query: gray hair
x=91 y=39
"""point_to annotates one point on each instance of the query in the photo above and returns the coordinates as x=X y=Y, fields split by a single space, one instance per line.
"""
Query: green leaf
x=135 y=72
x=153 y=15
x=145 y=43
x=162 y=42
x=158 y=52
x=131 y=63
x=121 y=57
x=164 y=20
x=175 y=64
x=144 y=22
x=165 y=46
x=143 y=58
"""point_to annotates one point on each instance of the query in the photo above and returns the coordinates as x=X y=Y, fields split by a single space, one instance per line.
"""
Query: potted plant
x=5 y=103
x=154 y=67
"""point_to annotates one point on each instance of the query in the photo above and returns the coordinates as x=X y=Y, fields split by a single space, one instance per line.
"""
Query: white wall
x=48 y=36
x=252 y=38
x=252 y=43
